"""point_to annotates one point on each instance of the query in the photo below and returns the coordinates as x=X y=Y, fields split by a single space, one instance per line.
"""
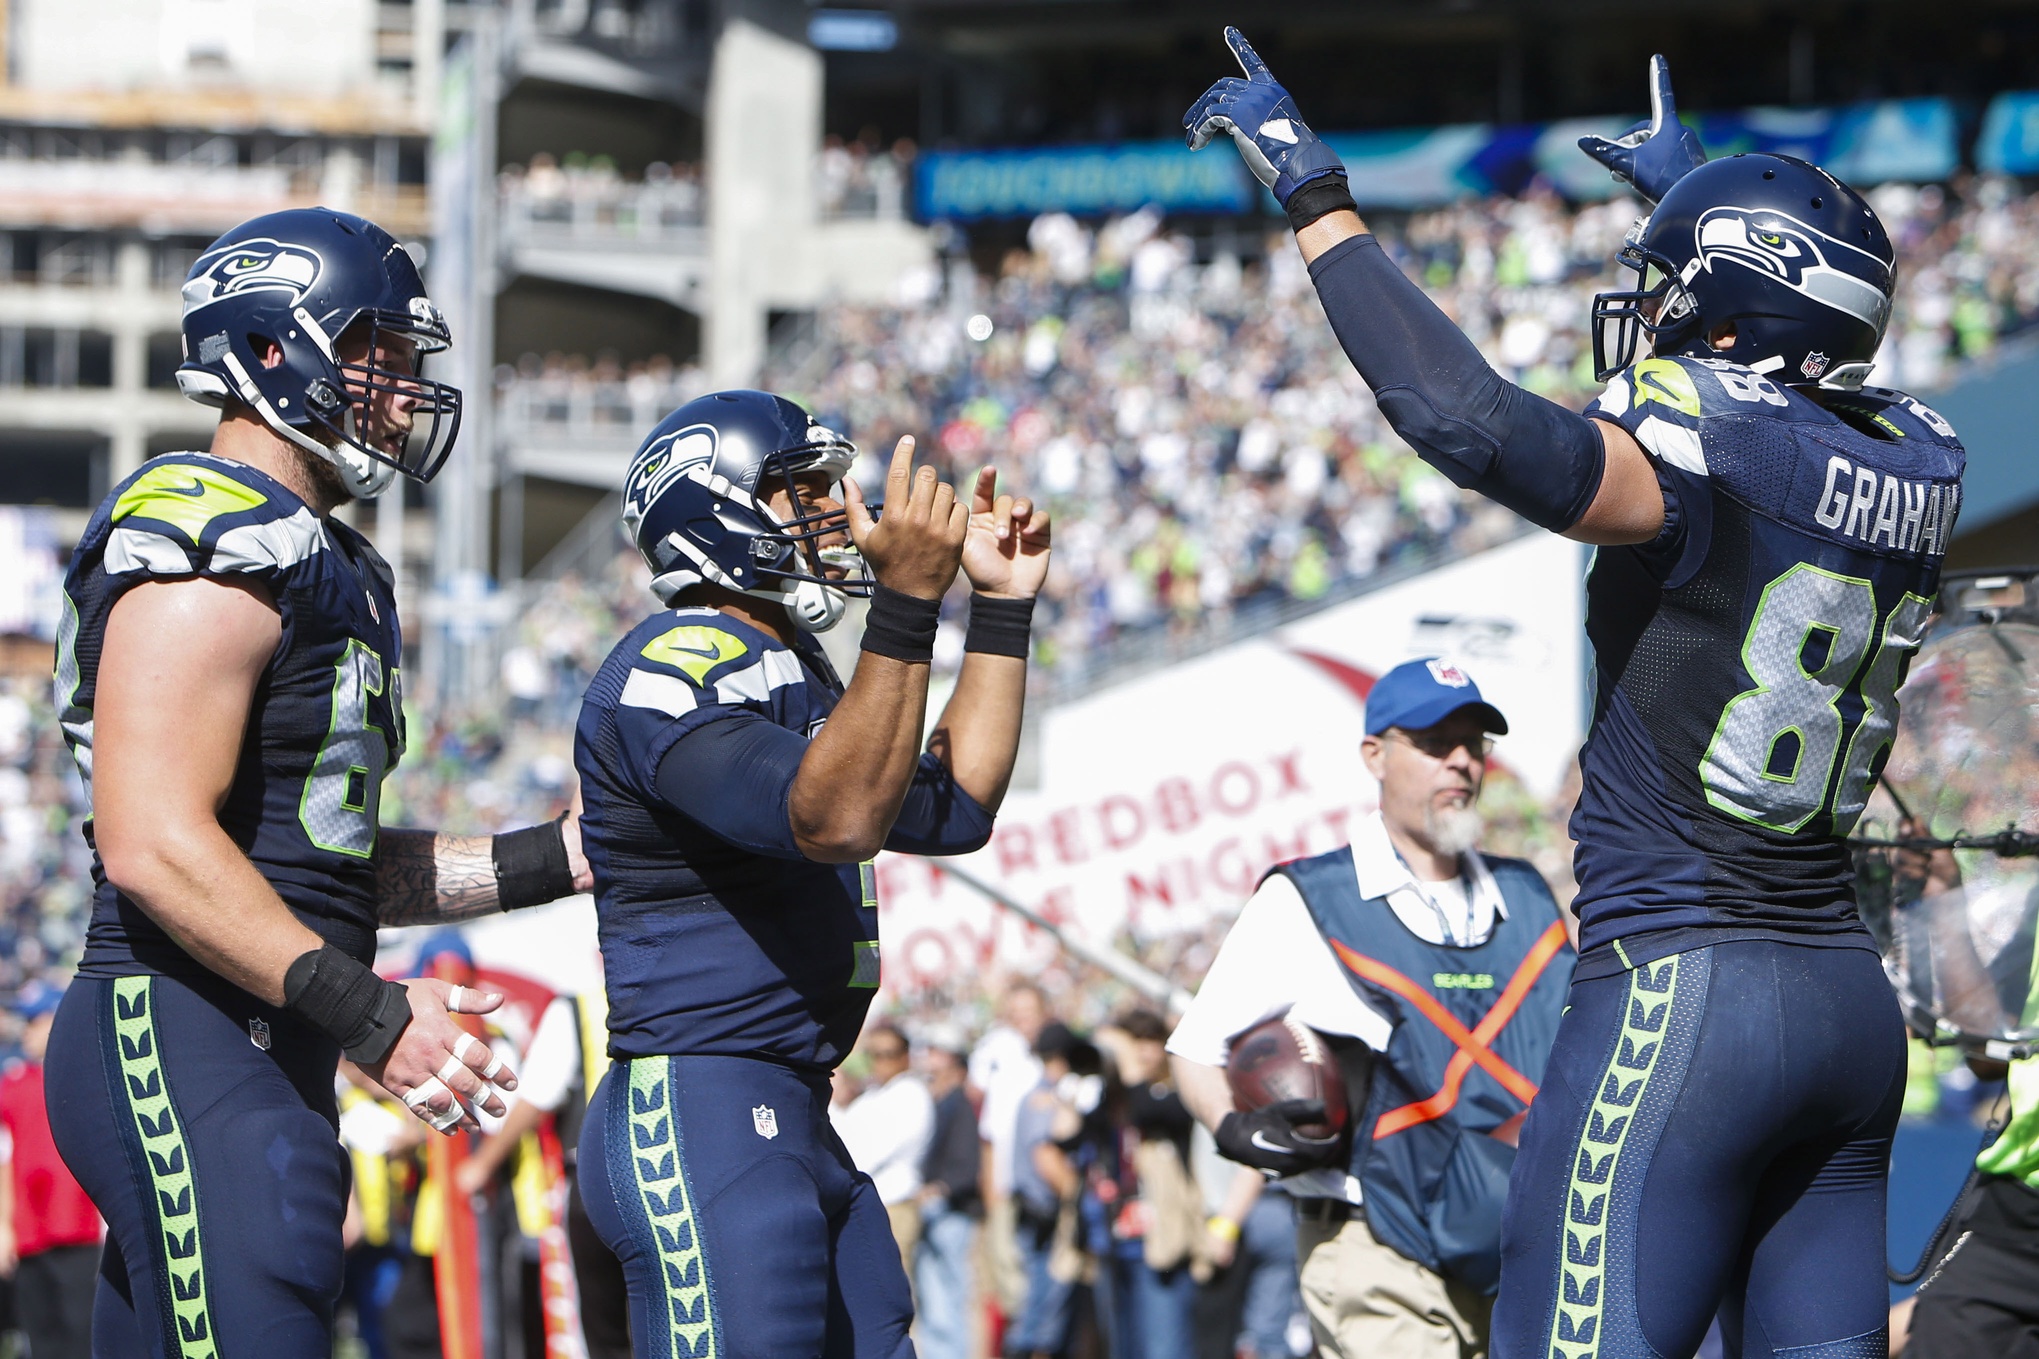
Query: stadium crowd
x=1192 y=423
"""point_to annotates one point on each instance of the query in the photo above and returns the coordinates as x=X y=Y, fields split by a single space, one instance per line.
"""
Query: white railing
x=596 y=205
x=585 y=411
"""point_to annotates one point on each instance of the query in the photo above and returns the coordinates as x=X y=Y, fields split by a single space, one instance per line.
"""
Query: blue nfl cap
x=1421 y=693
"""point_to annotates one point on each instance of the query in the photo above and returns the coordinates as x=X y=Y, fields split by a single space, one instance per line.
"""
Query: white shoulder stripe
x=130 y=549
x=277 y=543
x=1673 y=444
x=755 y=683
x=668 y=694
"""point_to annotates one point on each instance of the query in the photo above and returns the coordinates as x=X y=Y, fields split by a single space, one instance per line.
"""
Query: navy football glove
x=1654 y=155
x=1266 y=1139
x=1278 y=146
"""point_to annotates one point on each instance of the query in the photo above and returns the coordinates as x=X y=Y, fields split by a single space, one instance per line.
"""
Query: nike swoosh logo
x=711 y=653
x=1260 y=1140
x=194 y=490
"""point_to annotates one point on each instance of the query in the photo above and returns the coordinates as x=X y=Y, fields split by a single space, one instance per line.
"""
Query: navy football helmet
x=299 y=280
x=1795 y=260
x=695 y=503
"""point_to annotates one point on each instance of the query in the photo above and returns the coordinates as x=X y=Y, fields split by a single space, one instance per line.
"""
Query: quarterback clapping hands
x=1278 y=146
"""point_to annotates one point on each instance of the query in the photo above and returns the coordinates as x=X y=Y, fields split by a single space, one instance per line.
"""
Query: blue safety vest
x=1472 y=1029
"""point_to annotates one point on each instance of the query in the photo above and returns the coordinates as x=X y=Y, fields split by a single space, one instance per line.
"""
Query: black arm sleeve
x=1532 y=455
x=938 y=817
x=734 y=776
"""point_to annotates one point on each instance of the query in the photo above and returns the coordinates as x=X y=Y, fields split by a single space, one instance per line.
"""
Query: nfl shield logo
x=1815 y=364
x=766 y=1120
x=1444 y=672
x=258 y=1033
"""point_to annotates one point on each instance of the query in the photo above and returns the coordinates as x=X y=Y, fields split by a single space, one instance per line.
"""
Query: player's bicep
x=178 y=670
x=733 y=776
x=1629 y=506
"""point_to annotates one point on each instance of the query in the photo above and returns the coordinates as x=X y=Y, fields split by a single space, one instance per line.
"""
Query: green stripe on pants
x=669 y=1207
x=175 y=1190
x=1578 y=1321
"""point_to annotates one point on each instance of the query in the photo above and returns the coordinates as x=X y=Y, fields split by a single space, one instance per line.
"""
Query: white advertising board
x=1162 y=800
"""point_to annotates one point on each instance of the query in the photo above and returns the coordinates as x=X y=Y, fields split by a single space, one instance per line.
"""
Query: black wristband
x=1000 y=627
x=901 y=626
x=1324 y=194
x=531 y=865
x=347 y=1002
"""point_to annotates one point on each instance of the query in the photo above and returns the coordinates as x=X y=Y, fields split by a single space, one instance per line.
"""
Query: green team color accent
x=1462 y=981
x=185 y=497
x=1666 y=382
x=1582 y=1274
x=688 y=1305
x=175 y=1205
x=694 y=650
x=2016 y=1152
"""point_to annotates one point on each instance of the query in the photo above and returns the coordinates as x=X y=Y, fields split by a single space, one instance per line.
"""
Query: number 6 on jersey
x=1772 y=757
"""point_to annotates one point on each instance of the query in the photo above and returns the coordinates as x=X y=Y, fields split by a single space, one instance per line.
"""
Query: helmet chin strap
x=812 y=606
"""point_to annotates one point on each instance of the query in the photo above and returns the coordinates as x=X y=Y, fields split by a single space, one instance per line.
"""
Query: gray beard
x=1452 y=831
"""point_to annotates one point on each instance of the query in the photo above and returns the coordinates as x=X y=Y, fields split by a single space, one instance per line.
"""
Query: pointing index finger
x=1249 y=60
x=1663 y=110
x=899 y=476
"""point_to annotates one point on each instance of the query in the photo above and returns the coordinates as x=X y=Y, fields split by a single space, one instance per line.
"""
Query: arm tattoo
x=424 y=878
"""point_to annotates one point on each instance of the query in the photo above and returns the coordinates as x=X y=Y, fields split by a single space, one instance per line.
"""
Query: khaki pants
x=905 y=1230
x=1366 y=1301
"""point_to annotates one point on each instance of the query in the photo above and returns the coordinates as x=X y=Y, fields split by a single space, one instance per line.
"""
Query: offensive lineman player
x=228 y=674
x=1715 y=1122
x=736 y=792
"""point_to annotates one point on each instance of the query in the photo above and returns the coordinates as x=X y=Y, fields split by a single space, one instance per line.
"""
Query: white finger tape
x=452 y=1067
x=467 y=1040
x=488 y=1073
x=456 y=999
x=418 y=1098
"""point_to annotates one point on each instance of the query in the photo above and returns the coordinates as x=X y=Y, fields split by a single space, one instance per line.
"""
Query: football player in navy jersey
x=736 y=792
x=229 y=678
x=1715 y=1122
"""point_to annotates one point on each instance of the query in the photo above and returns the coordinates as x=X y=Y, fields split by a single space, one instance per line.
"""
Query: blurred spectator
x=1005 y=1071
x=857 y=179
x=586 y=196
x=1152 y=1208
x=950 y=1205
x=887 y=1130
x=1044 y=1191
x=49 y=1230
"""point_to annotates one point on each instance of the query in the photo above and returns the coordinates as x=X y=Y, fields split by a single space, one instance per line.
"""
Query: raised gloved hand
x=1267 y=1138
x=1653 y=155
x=1278 y=146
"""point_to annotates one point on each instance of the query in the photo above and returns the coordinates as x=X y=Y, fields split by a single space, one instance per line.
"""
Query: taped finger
x=453 y=1067
x=418 y=1099
x=456 y=998
x=467 y=1042
x=488 y=1073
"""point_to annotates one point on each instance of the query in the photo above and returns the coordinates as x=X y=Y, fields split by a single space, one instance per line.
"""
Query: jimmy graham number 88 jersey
x=1748 y=659
x=327 y=722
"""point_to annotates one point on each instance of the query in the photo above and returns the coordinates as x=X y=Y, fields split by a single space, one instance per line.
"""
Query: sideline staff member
x=1452 y=992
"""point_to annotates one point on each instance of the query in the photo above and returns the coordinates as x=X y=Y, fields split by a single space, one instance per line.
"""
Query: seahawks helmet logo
x=658 y=465
x=259 y=265
x=1799 y=256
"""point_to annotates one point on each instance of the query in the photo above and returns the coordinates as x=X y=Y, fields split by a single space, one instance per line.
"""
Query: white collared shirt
x=1275 y=960
x=886 y=1131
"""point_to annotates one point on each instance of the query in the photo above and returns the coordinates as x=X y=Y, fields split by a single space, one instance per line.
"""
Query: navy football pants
x=744 y=1229
x=215 y=1163
x=1713 y=1131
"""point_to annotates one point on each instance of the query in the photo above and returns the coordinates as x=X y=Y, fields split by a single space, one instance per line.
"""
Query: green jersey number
x=1816 y=638
x=341 y=794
